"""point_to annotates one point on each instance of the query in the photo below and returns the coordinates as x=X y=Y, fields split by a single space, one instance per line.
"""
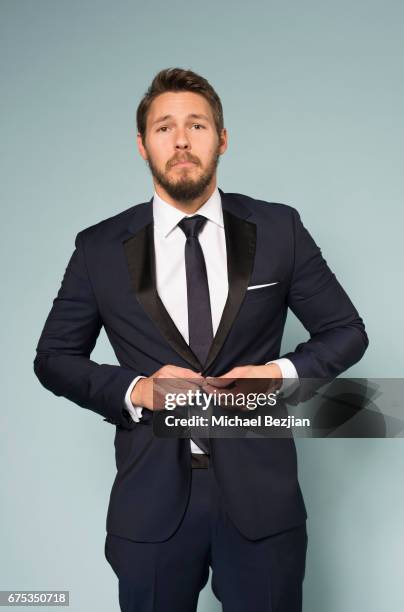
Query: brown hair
x=178 y=79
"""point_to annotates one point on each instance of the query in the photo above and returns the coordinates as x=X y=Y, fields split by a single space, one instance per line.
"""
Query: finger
x=234 y=373
x=221 y=381
x=182 y=372
x=207 y=388
x=178 y=385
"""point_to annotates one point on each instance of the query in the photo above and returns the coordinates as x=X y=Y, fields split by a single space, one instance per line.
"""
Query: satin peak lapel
x=139 y=250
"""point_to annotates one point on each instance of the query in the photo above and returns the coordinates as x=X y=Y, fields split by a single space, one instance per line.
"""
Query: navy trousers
x=264 y=575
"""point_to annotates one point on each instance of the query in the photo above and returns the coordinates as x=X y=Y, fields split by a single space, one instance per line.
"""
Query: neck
x=190 y=206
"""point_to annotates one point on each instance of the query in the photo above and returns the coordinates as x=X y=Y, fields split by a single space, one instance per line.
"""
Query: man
x=194 y=284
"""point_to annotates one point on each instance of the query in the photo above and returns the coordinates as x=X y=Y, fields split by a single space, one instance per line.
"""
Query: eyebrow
x=190 y=116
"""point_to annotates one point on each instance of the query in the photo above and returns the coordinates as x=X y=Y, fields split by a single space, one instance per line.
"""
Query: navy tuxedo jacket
x=110 y=281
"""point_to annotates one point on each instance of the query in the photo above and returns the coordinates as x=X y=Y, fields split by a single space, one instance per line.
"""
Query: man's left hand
x=271 y=370
x=234 y=379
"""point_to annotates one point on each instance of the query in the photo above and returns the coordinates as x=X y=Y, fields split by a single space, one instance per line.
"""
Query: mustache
x=187 y=158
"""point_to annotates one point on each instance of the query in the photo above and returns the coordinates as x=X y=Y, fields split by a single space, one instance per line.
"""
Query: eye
x=163 y=128
x=198 y=125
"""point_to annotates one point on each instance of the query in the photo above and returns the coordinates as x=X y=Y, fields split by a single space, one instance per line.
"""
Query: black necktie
x=200 y=327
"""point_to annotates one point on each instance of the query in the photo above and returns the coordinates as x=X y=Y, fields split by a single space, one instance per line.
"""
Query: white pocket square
x=259 y=286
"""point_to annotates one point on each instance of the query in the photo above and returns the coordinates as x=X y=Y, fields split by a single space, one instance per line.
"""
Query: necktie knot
x=191 y=226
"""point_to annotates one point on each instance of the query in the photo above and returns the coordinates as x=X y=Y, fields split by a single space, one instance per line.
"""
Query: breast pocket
x=263 y=291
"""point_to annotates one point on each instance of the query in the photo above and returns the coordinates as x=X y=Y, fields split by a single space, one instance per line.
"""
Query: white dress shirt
x=169 y=244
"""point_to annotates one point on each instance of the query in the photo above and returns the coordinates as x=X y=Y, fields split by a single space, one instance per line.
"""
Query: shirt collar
x=166 y=217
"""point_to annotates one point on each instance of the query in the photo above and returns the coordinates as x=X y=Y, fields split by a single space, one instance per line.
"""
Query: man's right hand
x=142 y=392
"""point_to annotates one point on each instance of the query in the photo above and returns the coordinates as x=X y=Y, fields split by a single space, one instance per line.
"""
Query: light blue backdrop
x=313 y=100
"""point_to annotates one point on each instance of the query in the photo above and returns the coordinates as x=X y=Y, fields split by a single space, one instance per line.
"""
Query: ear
x=140 y=146
x=223 y=141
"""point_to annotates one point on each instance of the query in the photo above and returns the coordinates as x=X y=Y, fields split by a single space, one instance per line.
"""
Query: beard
x=185 y=188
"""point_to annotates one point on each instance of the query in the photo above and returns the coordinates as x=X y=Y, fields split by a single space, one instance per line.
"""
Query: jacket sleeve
x=62 y=362
x=337 y=333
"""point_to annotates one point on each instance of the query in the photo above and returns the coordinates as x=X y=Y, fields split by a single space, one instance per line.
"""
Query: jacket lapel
x=139 y=251
x=240 y=246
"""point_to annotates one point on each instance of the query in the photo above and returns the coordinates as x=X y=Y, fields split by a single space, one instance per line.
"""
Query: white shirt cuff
x=289 y=375
x=134 y=411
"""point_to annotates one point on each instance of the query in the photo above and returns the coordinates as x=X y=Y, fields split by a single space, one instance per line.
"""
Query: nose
x=181 y=141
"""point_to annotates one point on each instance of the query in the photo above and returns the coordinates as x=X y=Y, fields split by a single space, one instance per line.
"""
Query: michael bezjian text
x=236 y=421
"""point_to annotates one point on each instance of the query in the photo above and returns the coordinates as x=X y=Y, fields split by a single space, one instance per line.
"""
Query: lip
x=185 y=163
